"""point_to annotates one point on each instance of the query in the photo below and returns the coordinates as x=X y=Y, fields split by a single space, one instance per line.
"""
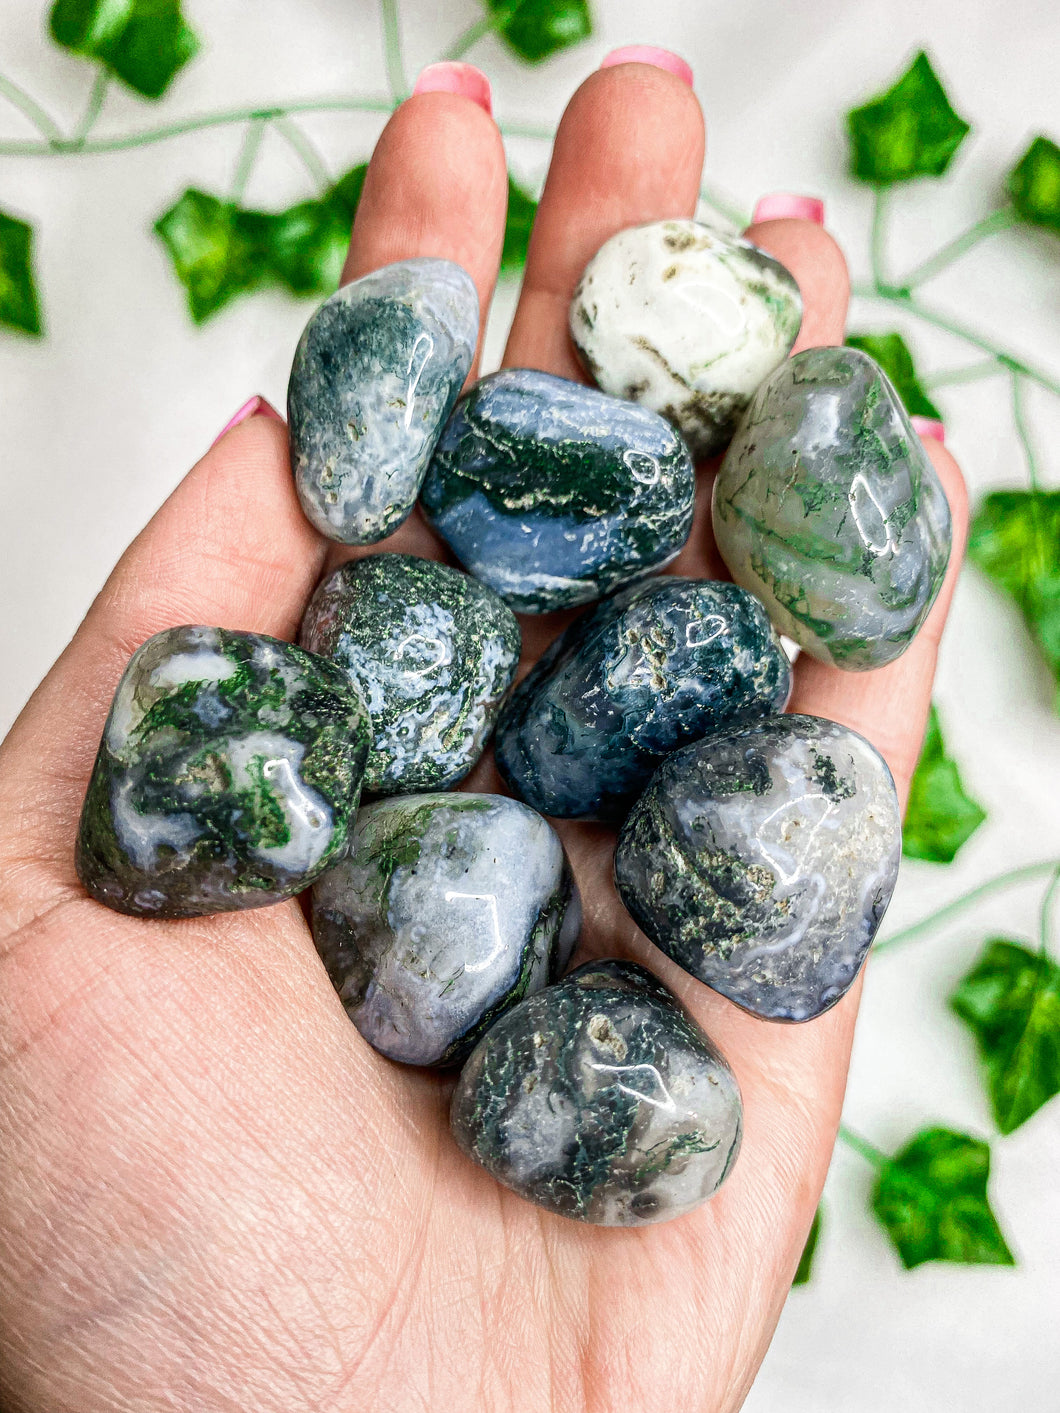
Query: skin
x=213 y=1194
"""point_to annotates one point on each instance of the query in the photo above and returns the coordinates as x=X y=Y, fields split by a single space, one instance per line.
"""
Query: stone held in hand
x=227 y=778
x=827 y=507
x=375 y=375
x=687 y=321
x=601 y=1099
x=444 y=912
x=554 y=493
x=648 y=670
x=433 y=653
x=763 y=861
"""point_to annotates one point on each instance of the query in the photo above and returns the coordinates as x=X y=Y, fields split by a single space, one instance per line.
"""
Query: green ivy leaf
x=1010 y=1001
x=19 y=305
x=522 y=208
x=1015 y=538
x=537 y=28
x=909 y=131
x=143 y=42
x=307 y=243
x=940 y=816
x=1034 y=184
x=931 y=1198
x=218 y=250
x=891 y=352
x=805 y=1270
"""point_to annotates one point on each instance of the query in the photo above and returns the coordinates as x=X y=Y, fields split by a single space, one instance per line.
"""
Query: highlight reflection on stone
x=445 y=911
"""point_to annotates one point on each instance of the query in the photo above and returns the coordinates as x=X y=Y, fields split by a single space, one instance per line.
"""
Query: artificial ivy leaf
x=143 y=42
x=891 y=352
x=931 y=1197
x=1015 y=538
x=1010 y=1000
x=522 y=208
x=218 y=250
x=940 y=816
x=19 y=305
x=537 y=28
x=805 y=1270
x=307 y=243
x=909 y=131
x=1034 y=184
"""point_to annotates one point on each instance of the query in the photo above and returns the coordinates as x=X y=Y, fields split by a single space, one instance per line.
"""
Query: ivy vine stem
x=966 y=373
x=488 y=24
x=877 y=238
x=958 y=905
x=392 y=53
x=862 y=1146
x=1000 y=220
x=29 y=107
x=96 y=98
x=1044 y=916
x=248 y=153
x=1022 y=431
x=305 y=149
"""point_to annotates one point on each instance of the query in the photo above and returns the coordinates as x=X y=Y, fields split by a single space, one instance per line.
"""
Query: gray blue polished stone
x=601 y=1099
x=554 y=493
x=653 y=667
x=375 y=375
x=827 y=507
x=445 y=911
x=763 y=861
x=433 y=652
x=228 y=775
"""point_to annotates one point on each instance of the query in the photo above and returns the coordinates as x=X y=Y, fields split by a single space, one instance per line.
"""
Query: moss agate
x=601 y=1099
x=651 y=668
x=763 y=862
x=445 y=911
x=228 y=775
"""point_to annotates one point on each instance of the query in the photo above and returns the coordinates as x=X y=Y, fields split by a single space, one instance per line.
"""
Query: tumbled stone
x=601 y=1099
x=376 y=374
x=228 y=775
x=646 y=671
x=687 y=321
x=827 y=507
x=553 y=493
x=445 y=911
x=433 y=653
x=763 y=861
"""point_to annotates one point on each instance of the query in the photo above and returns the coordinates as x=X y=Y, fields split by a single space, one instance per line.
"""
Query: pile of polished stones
x=757 y=849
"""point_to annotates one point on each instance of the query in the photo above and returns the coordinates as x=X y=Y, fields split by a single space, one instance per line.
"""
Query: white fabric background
x=100 y=420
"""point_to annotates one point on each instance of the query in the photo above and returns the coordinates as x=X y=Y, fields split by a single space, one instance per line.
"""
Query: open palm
x=213 y=1194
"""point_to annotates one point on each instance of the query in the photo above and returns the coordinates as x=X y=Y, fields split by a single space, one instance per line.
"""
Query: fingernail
x=782 y=206
x=256 y=406
x=649 y=54
x=929 y=427
x=462 y=79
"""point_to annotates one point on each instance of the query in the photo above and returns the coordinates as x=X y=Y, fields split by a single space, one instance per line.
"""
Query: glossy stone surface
x=828 y=509
x=686 y=321
x=553 y=493
x=375 y=375
x=601 y=1099
x=649 y=669
x=446 y=911
x=433 y=653
x=763 y=861
x=228 y=775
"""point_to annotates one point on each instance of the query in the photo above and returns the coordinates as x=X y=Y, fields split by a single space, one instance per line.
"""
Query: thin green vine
x=956 y=906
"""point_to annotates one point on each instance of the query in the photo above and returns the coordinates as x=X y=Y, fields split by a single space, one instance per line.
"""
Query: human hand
x=213 y=1194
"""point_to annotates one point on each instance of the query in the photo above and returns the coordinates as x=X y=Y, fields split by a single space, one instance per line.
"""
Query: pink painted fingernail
x=929 y=427
x=781 y=206
x=649 y=54
x=256 y=406
x=462 y=79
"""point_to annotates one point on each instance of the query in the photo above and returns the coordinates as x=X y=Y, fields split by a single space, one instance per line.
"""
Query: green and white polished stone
x=828 y=509
x=687 y=321
x=433 y=653
x=601 y=1099
x=445 y=911
x=228 y=775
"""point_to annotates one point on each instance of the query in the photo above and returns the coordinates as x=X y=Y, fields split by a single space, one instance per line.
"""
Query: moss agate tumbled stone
x=227 y=777
x=554 y=493
x=687 y=321
x=763 y=861
x=375 y=376
x=433 y=653
x=827 y=507
x=649 y=669
x=601 y=1099
x=445 y=911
